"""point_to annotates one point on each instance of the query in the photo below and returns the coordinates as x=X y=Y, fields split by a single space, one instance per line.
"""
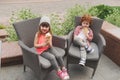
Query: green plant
x=19 y=15
x=69 y=24
x=12 y=34
x=114 y=18
x=63 y=25
x=22 y=14
x=56 y=22
x=101 y=11
x=2 y=26
x=108 y=13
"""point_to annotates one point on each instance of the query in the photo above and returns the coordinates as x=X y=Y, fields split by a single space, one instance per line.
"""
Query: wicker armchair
x=98 y=43
x=26 y=32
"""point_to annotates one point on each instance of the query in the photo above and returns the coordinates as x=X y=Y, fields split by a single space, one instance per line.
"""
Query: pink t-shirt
x=41 y=39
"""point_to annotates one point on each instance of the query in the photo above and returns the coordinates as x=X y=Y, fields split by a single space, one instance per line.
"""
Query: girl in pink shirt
x=44 y=47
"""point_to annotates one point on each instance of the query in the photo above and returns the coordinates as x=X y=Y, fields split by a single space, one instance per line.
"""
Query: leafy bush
x=114 y=18
x=108 y=13
x=22 y=14
x=116 y=7
x=2 y=26
x=101 y=11
x=56 y=22
x=63 y=25
x=68 y=24
x=12 y=34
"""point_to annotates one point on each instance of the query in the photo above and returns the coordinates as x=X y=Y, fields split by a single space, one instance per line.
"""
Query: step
x=11 y=53
x=3 y=33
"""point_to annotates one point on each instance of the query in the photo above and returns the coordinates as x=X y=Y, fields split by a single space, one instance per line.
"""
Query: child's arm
x=90 y=35
x=50 y=41
x=76 y=31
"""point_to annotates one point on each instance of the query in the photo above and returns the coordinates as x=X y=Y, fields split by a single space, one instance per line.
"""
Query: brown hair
x=87 y=18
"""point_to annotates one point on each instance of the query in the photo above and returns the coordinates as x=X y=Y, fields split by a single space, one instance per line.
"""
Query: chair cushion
x=46 y=63
x=75 y=52
x=60 y=50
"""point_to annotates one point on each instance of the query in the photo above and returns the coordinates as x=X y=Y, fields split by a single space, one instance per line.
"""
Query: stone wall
x=112 y=36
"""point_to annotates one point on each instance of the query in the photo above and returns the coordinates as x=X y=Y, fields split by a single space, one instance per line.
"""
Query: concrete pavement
x=47 y=6
x=107 y=70
x=25 y=1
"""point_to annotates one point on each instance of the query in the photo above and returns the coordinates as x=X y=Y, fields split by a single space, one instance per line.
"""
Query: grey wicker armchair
x=98 y=43
x=26 y=31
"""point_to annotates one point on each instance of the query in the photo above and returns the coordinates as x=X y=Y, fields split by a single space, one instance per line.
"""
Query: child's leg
x=54 y=63
x=83 y=53
x=60 y=60
x=52 y=60
x=83 y=56
x=82 y=45
x=78 y=41
x=57 y=55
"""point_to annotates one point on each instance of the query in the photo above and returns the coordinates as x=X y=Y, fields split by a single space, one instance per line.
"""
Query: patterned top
x=78 y=30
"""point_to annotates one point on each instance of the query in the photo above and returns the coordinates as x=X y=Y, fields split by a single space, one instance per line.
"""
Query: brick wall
x=112 y=36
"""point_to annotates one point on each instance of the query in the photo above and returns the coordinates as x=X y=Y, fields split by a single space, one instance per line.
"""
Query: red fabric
x=41 y=39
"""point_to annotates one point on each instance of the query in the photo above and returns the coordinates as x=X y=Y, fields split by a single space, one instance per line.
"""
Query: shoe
x=61 y=75
x=86 y=47
x=66 y=74
x=90 y=51
x=82 y=62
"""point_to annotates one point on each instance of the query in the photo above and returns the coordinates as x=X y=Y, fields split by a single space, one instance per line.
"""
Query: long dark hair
x=44 y=24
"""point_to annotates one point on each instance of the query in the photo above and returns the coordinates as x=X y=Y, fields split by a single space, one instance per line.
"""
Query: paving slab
x=107 y=70
x=49 y=6
x=25 y=1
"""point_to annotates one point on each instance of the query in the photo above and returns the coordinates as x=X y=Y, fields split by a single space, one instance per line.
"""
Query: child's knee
x=52 y=57
x=58 y=56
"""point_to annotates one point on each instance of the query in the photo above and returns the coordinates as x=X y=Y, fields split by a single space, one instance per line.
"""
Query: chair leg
x=24 y=68
x=95 y=67
x=67 y=63
x=67 y=67
x=93 y=73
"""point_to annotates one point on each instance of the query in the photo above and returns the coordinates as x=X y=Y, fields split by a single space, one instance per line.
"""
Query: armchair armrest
x=29 y=55
x=22 y=45
x=101 y=43
x=69 y=39
x=59 y=41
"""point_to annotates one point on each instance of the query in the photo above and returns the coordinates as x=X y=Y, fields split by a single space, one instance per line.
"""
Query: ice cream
x=48 y=35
